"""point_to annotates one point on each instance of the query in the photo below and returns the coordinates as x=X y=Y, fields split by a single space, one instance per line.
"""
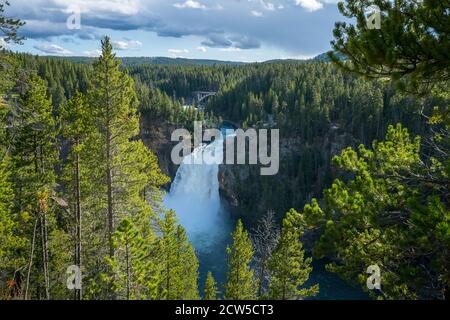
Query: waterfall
x=194 y=195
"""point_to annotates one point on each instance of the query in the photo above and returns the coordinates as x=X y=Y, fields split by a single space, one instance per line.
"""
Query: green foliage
x=129 y=166
x=179 y=271
x=391 y=213
x=135 y=273
x=93 y=174
x=53 y=212
x=10 y=242
x=412 y=47
x=9 y=26
x=33 y=140
x=63 y=79
x=8 y=73
x=32 y=149
x=288 y=268
x=240 y=283
x=210 y=288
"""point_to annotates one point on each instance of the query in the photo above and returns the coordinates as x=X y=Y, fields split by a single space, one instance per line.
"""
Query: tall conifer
x=240 y=283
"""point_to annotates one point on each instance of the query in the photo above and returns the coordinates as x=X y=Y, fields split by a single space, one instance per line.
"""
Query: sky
x=232 y=30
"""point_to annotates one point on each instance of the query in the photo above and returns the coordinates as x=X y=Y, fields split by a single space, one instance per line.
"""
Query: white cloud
x=201 y=49
x=231 y=49
x=92 y=53
x=3 y=44
x=126 y=44
x=178 y=51
x=52 y=49
x=256 y=13
x=46 y=20
x=310 y=5
x=267 y=5
x=298 y=57
x=126 y=7
x=191 y=4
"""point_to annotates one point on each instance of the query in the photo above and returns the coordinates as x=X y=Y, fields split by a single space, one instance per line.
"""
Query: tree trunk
x=261 y=278
x=127 y=257
x=45 y=255
x=78 y=292
x=109 y=166
x=110 y=194
x=31 y=258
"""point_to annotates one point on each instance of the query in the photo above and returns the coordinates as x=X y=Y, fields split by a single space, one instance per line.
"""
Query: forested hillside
x=363 y=180
x=319 y=110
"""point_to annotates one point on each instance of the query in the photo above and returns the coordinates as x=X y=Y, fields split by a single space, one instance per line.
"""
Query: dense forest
x=364 y=176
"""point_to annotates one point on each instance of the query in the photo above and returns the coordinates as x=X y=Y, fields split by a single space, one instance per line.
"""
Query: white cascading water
x=194 y=196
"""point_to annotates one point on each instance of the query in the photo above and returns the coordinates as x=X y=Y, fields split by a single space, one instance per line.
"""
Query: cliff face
x=156 y=136
x=305 y=170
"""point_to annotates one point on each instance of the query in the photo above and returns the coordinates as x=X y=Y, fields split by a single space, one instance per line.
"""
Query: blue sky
x=237 y=30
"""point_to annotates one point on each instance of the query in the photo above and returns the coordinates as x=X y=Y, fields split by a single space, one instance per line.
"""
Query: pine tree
x=125 y=179
x=179 y=263
x=135 y=275
x=8 y=77
x=126 y=165
x=113 y=104
x=288 y=268
x=9 y=26
x=240 y=283
x=265 y=238
x=188 y=262
x=168 y=249
x=210 y=288
x=392 y=207
x=10 y=243
x=76 y=128
x=403 y=49
x=33 y=158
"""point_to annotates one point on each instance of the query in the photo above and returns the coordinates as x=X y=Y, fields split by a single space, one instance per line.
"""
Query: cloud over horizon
x=296 y=27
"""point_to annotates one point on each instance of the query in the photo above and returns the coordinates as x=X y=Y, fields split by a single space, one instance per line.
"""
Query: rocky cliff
x=156 y=135
x=305 y=170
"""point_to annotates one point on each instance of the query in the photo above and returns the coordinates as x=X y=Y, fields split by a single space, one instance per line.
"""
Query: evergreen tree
x=8 y=77
x=188 y=262
x=113 y=105
x=10 y=243
x=396 y=215
x=9 y=26
x=135 y=276
x=288 y=268
x=403 y=49
x=76 y=128
x=210 y=288
x=170 y=272
x=179 y=263
x=129 y=167
x=240 y=283
x=265 y=239
x=33 y=158
x=125 y=178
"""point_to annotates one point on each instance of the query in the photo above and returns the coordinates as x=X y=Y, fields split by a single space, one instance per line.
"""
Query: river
x=194 y=195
